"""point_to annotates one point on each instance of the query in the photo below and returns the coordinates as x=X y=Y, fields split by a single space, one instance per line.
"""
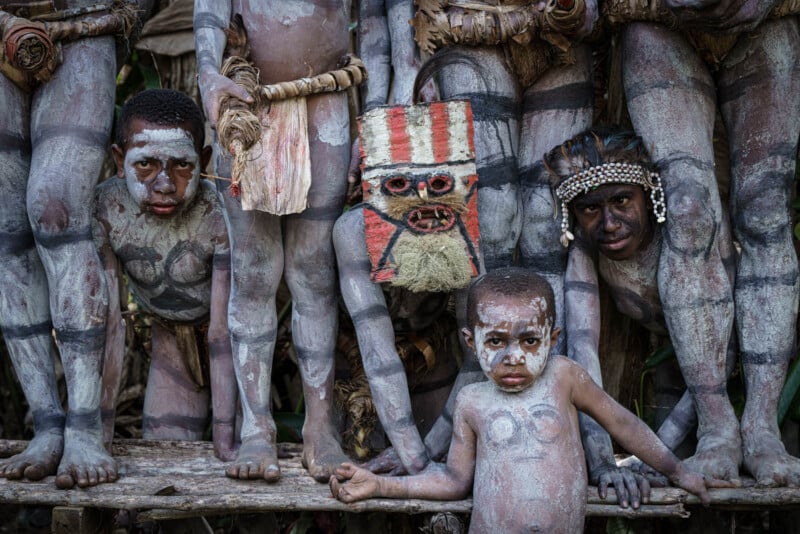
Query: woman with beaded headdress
x=607 y=185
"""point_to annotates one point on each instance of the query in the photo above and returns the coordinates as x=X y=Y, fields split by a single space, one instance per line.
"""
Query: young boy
x=163 y=226
x=517 y=436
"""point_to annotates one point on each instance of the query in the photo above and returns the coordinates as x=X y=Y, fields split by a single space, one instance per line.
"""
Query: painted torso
x=168 y=261
x=530 y=471
x=291 y=39
x=634 y=285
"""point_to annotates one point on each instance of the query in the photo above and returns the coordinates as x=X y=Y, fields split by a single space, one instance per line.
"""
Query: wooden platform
x=172 y=479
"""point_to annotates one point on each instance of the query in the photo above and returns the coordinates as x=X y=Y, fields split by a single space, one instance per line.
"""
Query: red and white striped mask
x=418 y=176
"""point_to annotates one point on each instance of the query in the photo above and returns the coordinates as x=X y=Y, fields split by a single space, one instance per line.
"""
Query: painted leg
x=558 y=106
x=480 y=76
x=257 y=265
x=671 y=102
x=24 y=304
x=760 y=100
x=175 y=407
x=384 y=369
x=311 y=277
x=70 y=127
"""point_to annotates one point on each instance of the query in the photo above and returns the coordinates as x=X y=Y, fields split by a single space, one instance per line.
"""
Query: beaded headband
x=609 y=173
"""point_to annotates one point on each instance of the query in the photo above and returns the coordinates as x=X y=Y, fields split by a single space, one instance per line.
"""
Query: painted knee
x=693 y=218
x=348 y=230
x=762 y=215
x=56 y=221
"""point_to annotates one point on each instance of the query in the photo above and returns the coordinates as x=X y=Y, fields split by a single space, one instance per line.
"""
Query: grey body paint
x=60 y=134
x=692 y=278
x=366 y=305
x=263 y=247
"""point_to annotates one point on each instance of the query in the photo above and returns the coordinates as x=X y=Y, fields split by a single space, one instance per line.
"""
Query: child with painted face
x=607 y=184
x=162 y=225
x=515 y=440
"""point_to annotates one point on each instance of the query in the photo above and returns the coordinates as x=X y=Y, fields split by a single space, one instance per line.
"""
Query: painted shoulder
x=111 y=186
x=559 y=364
x=110 y=192
x=469 y=392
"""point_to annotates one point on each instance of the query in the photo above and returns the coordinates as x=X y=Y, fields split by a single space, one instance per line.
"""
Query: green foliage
x=659 y=356
x=789 y=402
x=619 y=525
x=290 y=427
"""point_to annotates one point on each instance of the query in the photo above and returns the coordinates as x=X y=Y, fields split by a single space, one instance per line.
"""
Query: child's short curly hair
x=514 y=282
x=165 y=107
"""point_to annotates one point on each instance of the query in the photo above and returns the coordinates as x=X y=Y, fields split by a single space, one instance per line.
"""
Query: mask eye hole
x=397 y=185
x=440 y=183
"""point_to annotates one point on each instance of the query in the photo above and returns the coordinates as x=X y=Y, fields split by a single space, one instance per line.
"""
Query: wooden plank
x=67 y=520
x=185 y=477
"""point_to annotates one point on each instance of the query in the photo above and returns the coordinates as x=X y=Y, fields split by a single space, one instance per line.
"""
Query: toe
x=272 y=473
x=65 y=481
x=35 y=472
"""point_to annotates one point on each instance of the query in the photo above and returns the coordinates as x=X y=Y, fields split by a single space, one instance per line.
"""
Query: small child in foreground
x=516 y=441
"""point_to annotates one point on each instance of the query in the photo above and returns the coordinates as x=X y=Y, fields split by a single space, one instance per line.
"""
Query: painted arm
x=590 y=18
x=375 y=51
x=438 y=438
x=727 y=16
x=634 y=435
x=582 y=308
x=223 y=380
x=444 y=483
x=384 y=369
x=386 y=45
x=114 y=353
x=211 y=19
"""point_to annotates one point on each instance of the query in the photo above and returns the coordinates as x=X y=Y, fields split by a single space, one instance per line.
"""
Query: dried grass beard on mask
x=435 y=262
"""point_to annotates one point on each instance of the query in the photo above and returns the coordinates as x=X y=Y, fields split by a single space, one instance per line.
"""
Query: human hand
x=350 y=483
x=696 y=483
x=213 y=88
x=386 y=462
x=656 y=479
x=631 y=488
x=724 y=16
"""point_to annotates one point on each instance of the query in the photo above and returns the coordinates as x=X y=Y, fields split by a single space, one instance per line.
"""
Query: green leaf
x=290 y=426
x=618 y=525
x=789 y=391
x=659 y=356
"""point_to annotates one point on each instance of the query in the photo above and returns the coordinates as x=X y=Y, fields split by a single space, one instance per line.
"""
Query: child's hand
x=697 y=483
x=360 y=483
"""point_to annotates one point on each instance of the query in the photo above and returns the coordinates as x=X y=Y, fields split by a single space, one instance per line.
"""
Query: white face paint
x=512 y=341
x=156 y=156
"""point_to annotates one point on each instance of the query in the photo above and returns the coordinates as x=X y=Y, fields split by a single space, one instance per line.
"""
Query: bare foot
x=85 y=461
x=765 y=457
x=38 y=460
x=322 y=454
x=718 y=456
x=257 y=458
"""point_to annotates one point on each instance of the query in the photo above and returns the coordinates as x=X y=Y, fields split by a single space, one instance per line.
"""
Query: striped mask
x=420 y=191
